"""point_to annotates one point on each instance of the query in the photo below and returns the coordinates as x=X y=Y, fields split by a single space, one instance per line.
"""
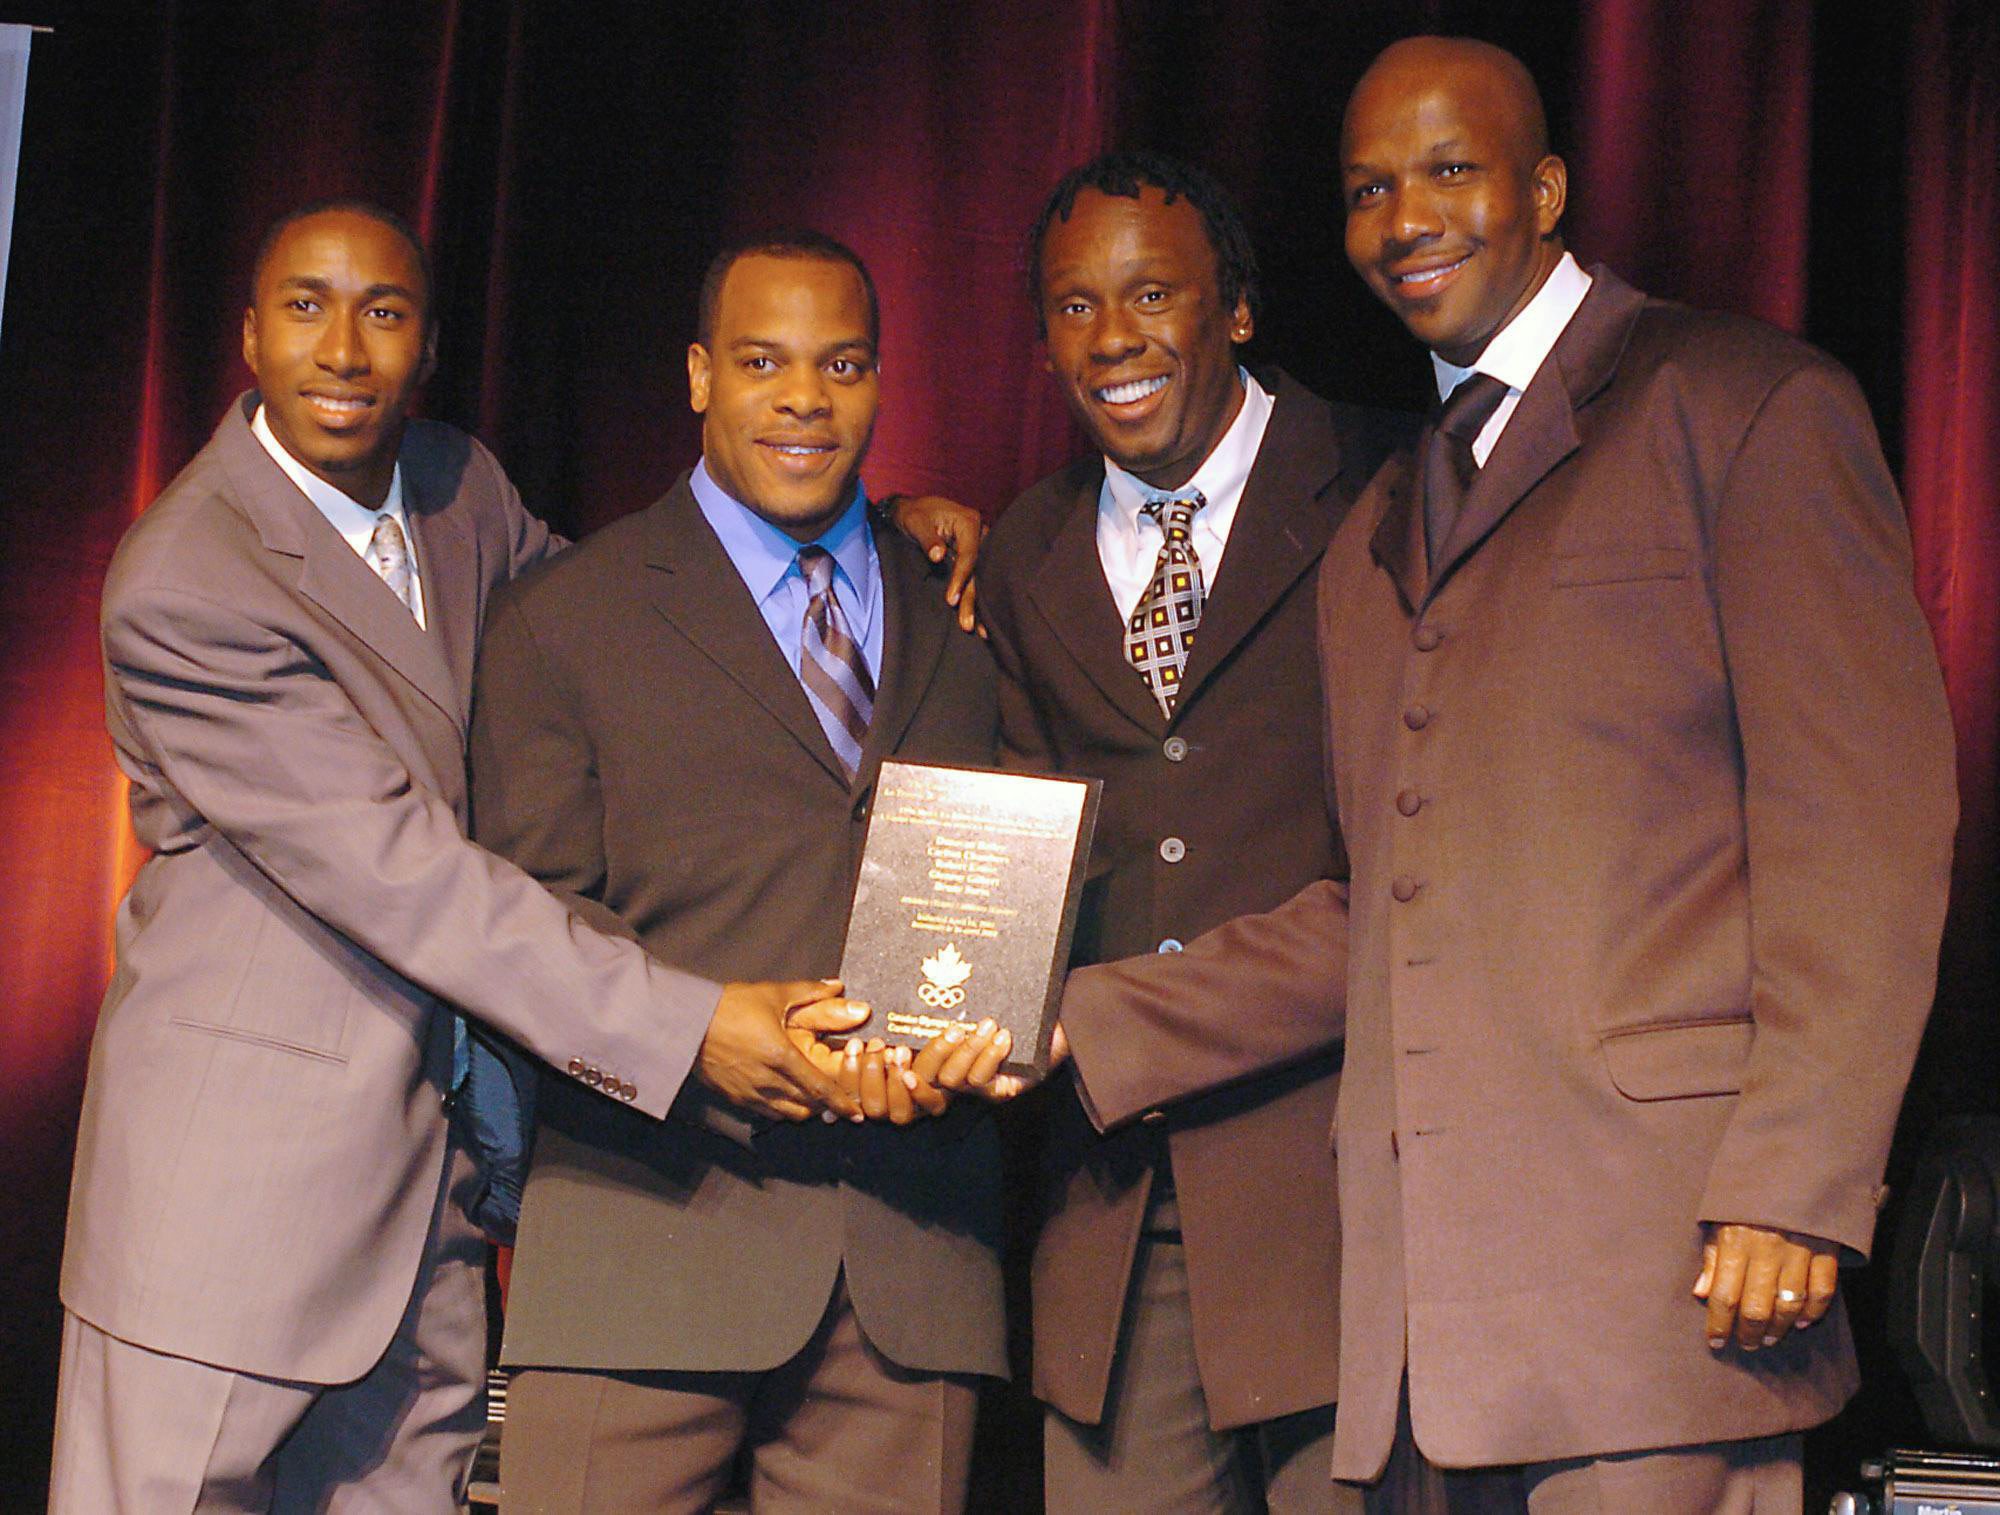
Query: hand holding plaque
x=966 y=903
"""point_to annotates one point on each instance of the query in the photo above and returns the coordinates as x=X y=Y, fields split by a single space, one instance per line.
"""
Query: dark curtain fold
x=574 y=166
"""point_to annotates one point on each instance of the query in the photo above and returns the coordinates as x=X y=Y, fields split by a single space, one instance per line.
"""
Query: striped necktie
x=831 y=667
x=1160 y=634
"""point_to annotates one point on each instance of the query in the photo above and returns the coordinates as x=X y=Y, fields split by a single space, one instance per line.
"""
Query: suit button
x=1170 y=944
x=1426 y=638
x=1404 y=889
x=628 y=1092
x=593 y=1077
x=1417 y=717
x=1173 y=849
x=576 y=1067
x=1175 y=748
x=1409 y=802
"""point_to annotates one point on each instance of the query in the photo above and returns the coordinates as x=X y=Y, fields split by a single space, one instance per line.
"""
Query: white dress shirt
x=1129 y=540
x=354 y=521
x=1519 y=348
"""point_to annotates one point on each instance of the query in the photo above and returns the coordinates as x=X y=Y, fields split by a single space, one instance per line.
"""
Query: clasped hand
x=899 y=1084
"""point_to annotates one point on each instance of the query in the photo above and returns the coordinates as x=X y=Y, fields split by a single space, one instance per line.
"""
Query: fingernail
x=1801 y=1325
x=1770 y=1341
x=986 y=1027
x=1716 y=1343
x=1004 y=1039
x=955 y=1034
x=829 y=1117
x=909 y=1081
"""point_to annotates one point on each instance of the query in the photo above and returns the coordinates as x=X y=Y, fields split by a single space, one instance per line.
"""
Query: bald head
x=1473 y=71
x=1454 y=202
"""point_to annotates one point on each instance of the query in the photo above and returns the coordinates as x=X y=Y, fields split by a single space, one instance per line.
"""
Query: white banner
x=14 y=42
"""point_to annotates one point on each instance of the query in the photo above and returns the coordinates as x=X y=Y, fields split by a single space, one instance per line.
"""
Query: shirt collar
x=763 y=554
x=1222 y=474
x=1518 y=350
x=344 y=513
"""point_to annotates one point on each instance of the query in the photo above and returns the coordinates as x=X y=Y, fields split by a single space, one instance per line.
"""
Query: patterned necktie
x=1448 y=462
x=831 y=666
x=1161 y=632
x=389 y=556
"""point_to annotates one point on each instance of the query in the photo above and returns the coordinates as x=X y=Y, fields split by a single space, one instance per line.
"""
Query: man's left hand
x=1761 y=1284
x=945 y=529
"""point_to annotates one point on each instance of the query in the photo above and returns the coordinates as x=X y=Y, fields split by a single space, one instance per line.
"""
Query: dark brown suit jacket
x=1648 y=796
x=642 y=746
x=1233 y=780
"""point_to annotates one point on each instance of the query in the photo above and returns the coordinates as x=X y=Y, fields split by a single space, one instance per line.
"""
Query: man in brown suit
x=1185 y=1281
x=678 y=729
x=1641 y=755
x=273 y=1293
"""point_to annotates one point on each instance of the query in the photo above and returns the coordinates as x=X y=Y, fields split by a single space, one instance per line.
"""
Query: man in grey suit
x=273 y=1295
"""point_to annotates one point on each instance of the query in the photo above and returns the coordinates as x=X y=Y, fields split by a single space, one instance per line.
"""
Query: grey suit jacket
x=642 y=746
x=1648 y=801
x=263 y=1138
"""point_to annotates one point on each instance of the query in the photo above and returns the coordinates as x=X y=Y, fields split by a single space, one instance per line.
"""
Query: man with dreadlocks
x=1185 y=1281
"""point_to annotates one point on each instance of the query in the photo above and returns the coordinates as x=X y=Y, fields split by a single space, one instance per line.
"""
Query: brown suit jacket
x=263 y=1138
x=1648 y=797
x=1234 y=779
x=643 y=747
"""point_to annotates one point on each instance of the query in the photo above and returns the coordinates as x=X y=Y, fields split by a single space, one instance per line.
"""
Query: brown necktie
x=1448 y=462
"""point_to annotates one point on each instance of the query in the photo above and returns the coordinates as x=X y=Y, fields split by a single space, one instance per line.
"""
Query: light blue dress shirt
x=767 y=560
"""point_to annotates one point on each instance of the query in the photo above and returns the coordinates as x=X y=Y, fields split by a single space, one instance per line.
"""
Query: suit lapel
x=913 y=639
x=1281 y=527
x=331 y=574
x=1398 y=539
x=1542 y=431
x=448 y=561
x=696 y=588
x=1070 y=593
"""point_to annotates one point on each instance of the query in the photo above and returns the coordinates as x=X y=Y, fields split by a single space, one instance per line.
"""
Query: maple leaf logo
x=947 y=967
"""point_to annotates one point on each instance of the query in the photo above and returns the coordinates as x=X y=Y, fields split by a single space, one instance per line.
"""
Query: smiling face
x=787 y=388
x=1453 y=202
x=1139 y=337
x=339 y=340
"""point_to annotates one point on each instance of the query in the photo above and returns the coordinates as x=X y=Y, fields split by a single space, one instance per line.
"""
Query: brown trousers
x=1155 y=1451
x=837 y=1427
x=1758 y=1477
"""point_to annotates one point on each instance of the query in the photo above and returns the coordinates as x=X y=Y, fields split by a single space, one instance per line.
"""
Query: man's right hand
x=747 y=1058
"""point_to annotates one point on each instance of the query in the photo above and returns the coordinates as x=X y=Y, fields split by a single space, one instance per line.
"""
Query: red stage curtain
x=574 y=165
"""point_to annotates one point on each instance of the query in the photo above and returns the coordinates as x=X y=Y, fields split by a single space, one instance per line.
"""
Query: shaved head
x=1474 y=71
x=1454 y=202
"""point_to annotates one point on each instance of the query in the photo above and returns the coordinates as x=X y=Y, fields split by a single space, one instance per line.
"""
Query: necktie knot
x=816 y=565
x=1470 y=406
x=1175 y=513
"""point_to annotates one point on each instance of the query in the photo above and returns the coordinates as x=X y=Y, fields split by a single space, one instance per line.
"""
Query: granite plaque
x=966 y=903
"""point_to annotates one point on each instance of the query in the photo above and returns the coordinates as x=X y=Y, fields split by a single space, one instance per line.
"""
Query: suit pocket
x=1619 y=565
x=1679 y=1061
x=289 y=997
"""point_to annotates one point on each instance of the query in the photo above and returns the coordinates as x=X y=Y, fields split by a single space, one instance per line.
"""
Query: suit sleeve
x=1254 y=994
x=1849 y=808
x=250 y=732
